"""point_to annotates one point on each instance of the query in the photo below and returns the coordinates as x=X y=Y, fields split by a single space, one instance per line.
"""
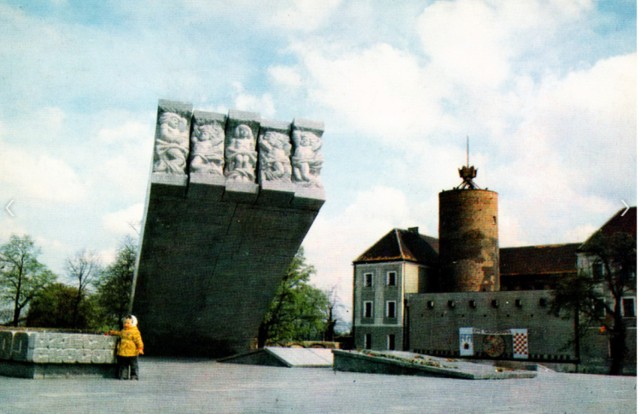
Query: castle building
x=461 y=295
x=400 y=263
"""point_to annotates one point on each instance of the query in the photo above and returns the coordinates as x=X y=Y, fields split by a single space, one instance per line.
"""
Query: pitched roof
x=398 y=244
x=621 y=222
x=538 y=260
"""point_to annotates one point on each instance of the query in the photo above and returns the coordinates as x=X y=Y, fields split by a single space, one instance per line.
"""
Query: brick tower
x=468 y=226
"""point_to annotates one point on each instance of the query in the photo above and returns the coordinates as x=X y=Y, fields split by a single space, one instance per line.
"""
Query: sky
x=545 y=90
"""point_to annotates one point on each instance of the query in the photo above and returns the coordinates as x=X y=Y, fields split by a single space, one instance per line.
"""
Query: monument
x=230 y=200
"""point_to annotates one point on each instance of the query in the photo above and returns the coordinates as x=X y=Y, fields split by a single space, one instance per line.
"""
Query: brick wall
x=468 y=235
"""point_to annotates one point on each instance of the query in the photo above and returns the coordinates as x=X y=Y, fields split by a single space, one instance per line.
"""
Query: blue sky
x=545 y=90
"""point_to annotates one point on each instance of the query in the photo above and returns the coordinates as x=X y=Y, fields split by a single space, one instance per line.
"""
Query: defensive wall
x=230 y=200
x=485 y=324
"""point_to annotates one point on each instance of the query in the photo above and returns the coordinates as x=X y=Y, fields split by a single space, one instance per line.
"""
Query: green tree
x=55 y=307
x=22 y=276
x=298 y=311
x=588 y=296
x=113 y=289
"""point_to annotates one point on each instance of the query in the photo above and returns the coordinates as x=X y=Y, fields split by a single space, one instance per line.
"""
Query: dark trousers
x=126 y=365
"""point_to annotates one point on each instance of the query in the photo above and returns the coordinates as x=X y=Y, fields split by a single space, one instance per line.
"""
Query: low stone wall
x=42 y=354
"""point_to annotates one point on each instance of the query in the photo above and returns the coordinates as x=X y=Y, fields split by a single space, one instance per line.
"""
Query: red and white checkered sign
x=520 y=343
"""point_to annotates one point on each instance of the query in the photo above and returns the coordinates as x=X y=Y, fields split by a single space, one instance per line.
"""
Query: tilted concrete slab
x=285 y=357
x=408 y=363
x=229 y=203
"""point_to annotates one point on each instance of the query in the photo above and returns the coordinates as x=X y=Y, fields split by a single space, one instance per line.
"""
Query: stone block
x=308 y=198
x=171 y=146
x=102 y=356
x=20 y=346
x=206 y=186
x=70 y=355
x=274 y=144
x=241 y=192
x=40 y=340
x=6 y=343
x=38 y=355
x=84 y=356
x=74 y=341
x=107 y=342
x=276 y=194
x=207 y=144
x=169 y=185
x=241 y=156
x=56 y=355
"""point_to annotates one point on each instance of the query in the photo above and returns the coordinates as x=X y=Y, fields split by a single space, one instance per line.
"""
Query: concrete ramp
x=408 y=363
x=285 y=357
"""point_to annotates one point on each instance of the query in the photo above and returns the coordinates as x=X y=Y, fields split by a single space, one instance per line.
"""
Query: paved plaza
x=204 y=386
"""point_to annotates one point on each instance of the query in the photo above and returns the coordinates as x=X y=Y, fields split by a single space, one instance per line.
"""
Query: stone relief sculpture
x=207 y=149
x=172 y=146
x=241 y=155
x=275 y=150
x=306 y=159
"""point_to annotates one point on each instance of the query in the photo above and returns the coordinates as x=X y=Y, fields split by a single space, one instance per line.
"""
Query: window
x=629 y=307
x=599 y=309
x=391 y=309
x=391 y=342
x=391 y=278
x=367 y=309
x=368 y=280
x=367 y=341
x=597 y=269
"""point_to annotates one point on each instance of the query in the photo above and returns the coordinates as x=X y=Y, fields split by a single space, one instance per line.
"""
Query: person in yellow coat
x=129 y=347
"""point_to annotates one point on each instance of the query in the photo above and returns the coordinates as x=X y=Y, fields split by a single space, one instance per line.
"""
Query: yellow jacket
x=130 y=344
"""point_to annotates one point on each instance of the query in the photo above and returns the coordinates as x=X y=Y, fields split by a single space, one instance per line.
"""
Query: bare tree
x=84 y=268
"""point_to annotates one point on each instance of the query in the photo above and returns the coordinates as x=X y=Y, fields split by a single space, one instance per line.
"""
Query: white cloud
x=380 y=91
x=124 y=222
x=590 y=116
x=475 y=43
x=334 y=242
x=302 y=15
x=463 y=43
x=9 y=225
x=127 y=147
x=286 y=76
x=35 y=175
x=247 y=102
x=125 y=132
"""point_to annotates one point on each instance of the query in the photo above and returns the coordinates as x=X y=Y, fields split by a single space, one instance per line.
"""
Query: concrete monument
x=224 y=218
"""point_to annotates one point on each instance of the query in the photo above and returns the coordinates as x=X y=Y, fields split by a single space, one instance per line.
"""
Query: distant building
x=594 y=345
x=536 y=267
x=401 y=262
x=462 y=296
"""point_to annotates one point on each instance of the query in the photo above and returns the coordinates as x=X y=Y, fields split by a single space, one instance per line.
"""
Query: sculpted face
x=209 y=132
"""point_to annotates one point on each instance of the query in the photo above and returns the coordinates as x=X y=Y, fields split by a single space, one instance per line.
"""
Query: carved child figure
x=241 y=155
x=306 y=160
x=275 y=149
x=208 y=146
x=172 y=146
x=129 y=347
